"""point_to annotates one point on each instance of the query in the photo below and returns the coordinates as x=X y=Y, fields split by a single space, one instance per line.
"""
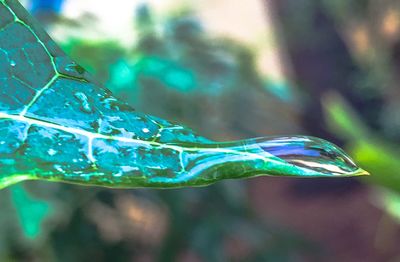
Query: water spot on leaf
x=59 y=168
x=83 y=99
x=51 y=152
x=75 y=68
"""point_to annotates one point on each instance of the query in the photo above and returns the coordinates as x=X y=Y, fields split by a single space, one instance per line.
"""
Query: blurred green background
x=230 y=70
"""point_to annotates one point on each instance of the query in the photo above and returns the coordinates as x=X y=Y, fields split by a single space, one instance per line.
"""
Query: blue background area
x=46 y=5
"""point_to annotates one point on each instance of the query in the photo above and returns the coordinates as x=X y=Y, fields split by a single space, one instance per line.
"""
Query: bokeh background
x=230 y=69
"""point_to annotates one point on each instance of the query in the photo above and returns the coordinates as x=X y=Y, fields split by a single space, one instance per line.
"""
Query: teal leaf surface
x=58 y=124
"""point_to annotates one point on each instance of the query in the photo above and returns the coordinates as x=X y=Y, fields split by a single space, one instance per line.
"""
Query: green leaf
x=390 y=201
x=368 y=148
x=31 y=212
x=58 y=124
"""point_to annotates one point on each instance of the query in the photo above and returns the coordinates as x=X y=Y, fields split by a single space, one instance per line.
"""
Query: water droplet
x=145 y=130
x=59 y=168
x=51 y=152
x=127 y=169
x=75 y=68
x=114 y=104
x=13 y=63
x=83 y=99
